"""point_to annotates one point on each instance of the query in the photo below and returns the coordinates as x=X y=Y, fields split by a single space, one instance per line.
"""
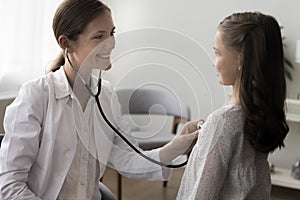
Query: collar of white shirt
x=62 y=87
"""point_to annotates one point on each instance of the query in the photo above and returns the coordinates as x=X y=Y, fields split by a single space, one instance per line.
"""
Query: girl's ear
x=239 y=63
x=64 y=42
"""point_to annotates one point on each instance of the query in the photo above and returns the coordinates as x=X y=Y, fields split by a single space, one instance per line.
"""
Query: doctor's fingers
x=190 y=140
x=192 y=126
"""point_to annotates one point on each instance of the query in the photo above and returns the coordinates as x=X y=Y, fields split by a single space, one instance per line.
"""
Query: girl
x=229 y=160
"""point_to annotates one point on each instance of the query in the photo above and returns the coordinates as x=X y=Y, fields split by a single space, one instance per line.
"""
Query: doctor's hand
x=182 y=143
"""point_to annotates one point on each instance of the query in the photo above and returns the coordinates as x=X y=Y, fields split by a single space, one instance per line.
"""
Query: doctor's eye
x=98 y=36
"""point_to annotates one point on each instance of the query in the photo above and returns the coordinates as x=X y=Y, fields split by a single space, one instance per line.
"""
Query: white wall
x=180 y=34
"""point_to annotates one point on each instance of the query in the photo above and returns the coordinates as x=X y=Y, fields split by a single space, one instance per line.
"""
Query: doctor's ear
x=64 y=42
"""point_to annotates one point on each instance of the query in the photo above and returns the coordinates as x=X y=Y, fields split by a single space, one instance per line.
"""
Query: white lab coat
x=40 y=141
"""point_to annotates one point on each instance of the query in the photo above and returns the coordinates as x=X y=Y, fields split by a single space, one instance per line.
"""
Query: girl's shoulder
x=228 y=111
x=228 y=118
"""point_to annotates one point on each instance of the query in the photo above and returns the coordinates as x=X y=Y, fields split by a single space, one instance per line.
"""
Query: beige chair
x=145 y=101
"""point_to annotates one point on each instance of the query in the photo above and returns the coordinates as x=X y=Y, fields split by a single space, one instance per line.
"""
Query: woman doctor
x=56 y=144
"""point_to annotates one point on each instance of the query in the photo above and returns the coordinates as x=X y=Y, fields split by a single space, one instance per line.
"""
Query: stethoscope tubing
x=96 y=96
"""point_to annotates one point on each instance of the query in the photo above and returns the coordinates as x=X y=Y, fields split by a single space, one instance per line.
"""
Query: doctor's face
x=226 y=62
x=94 y=45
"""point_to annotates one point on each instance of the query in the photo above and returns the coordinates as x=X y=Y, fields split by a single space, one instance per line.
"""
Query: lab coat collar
x=61 y=85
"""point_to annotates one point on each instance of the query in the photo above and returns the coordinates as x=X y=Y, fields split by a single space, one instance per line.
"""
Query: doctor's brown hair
x=70 y=19
x=257 y=39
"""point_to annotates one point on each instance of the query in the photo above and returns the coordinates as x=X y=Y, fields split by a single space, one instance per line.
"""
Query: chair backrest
x=153 y=101
x=144 y=100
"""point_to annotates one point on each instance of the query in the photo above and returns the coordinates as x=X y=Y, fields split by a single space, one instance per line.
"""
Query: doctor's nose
x=109 y=43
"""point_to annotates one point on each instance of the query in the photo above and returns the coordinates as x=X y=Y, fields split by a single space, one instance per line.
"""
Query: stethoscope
x=96 y=96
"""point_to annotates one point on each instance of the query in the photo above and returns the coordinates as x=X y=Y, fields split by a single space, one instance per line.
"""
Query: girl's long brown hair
x=257 y=38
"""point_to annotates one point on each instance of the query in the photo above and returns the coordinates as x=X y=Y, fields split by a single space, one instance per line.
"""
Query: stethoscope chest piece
x=200 y=124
